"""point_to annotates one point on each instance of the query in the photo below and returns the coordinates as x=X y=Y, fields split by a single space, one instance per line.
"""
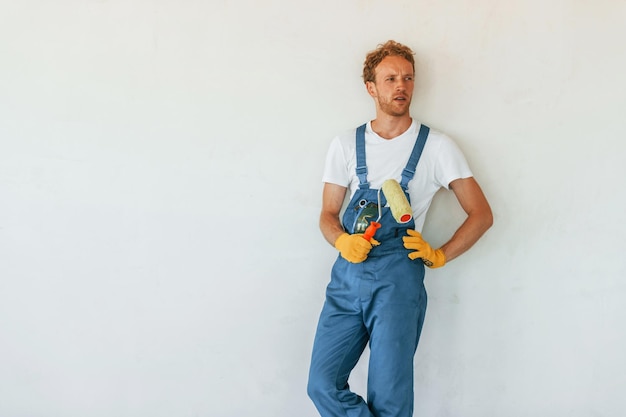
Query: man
x=376 y=292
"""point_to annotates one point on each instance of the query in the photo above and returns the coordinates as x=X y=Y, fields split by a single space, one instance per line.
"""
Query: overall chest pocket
x=364 y=211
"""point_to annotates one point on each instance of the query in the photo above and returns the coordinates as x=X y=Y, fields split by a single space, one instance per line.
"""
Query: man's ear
x=371 y=88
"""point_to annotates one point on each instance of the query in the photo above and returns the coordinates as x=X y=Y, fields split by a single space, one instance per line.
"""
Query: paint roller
x=397 y=202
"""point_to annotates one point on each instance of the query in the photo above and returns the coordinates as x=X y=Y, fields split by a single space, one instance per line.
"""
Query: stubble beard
x=388 y=107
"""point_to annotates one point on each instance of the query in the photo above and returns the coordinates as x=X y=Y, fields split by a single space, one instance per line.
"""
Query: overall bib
x=381 y=300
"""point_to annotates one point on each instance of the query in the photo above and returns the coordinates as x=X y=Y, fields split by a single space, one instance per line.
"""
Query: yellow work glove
x=432 y=258
x=354 y=248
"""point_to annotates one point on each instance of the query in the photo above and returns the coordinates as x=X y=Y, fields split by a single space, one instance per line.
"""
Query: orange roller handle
x=371 y=230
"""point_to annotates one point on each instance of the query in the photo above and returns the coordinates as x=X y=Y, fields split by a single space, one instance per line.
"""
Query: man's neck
x=389 y=127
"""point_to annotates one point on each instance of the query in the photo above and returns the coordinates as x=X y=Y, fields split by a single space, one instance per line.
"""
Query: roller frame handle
x=371 y=230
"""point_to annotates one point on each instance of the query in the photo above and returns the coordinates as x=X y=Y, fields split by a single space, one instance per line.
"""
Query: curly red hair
x=389 y=48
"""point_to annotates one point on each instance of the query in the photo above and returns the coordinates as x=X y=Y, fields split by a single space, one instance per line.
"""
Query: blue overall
x=381 y=300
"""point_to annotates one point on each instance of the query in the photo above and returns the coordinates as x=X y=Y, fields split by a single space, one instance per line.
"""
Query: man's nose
x=401 y=85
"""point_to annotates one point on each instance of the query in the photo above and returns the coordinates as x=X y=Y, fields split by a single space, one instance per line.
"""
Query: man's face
x=394 y=85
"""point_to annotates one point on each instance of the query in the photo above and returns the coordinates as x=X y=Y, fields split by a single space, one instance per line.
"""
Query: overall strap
x=361 y=166
x=411 y=166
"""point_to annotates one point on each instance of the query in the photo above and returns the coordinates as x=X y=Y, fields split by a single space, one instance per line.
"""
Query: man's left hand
x=432 y=258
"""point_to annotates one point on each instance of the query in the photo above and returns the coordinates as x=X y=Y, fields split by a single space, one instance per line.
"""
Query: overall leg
x=395 y=319
x=339 y=342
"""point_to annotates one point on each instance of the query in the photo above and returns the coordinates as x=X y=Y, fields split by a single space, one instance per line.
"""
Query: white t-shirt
x=441 y=163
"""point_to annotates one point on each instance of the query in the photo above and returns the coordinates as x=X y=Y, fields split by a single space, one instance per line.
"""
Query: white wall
x=160 y=167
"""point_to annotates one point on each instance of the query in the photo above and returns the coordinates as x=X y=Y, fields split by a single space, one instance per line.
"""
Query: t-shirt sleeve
x=451 y=163
x=336 y=168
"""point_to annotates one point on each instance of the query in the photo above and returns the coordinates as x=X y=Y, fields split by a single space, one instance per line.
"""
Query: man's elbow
x=487 y=219
x=482 y=218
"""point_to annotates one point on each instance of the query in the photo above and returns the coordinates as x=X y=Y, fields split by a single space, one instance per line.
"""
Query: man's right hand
x=354 y=248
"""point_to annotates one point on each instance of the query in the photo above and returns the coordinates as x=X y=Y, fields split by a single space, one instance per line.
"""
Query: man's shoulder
x=346 y=137
x=437 y=134
x=437 y=138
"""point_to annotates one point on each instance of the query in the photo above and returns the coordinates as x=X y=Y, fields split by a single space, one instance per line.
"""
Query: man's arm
x=332 y=201
x=479 y=217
